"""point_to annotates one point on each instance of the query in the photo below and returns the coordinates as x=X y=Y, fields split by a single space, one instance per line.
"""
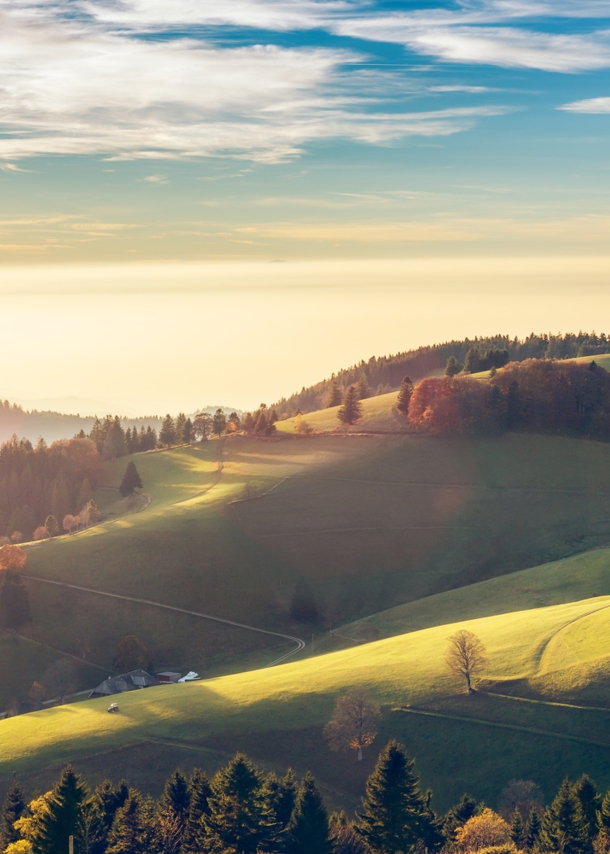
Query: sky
x=206 y=201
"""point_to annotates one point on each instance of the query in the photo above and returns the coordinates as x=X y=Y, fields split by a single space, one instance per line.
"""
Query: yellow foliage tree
x=485 y=830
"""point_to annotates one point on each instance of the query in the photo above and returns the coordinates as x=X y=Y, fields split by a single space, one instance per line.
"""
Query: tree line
x=40 y=482
x=384 y=374
x=540 y=396
x=243 y=810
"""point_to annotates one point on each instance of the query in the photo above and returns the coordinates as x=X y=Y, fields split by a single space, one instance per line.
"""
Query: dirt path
x=299 y=643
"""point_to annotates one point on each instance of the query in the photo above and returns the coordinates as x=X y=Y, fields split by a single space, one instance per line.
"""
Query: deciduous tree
x=466 y=656
x=219 y=422
x=355 y=721
x=131 y=654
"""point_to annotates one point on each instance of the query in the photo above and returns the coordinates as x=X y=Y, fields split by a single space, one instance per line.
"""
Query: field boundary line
x=498 y=725
x=545 y=702
x=54 y=649
x=300 y=643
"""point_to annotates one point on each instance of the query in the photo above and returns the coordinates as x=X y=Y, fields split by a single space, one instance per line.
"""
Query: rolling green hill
x=557 y=653
x=370 y=521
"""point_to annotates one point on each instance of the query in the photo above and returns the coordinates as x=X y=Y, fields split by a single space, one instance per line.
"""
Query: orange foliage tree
x=12 y=557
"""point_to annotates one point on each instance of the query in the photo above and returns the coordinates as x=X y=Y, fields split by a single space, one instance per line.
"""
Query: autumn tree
x=351 y=408
x=70 y=523
x=12 y=557
x=202 y=426
x=354 y=722
x=41 y=533
x=131 y=480
x=131 y=654
x=484 y=830
x=465 y=656
x=404 y=396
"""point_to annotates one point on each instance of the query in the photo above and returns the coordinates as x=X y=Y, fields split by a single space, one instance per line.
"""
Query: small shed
x=168 y=676
x=131 y=681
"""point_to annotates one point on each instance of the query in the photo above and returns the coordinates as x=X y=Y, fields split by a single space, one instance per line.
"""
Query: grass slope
x=370 y=521
x=478 y=743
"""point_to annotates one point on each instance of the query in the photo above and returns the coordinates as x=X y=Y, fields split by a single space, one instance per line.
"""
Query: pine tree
x=351 y=408
x=131 y=480
x=458 y=815
x=199 y=791
x=61 y=818
x=132 y=828
x=405 y=392
x=533 y=829
x=603 y=815
x=394 y=815
x=590 y=802
x=363 y=388
x=517 y=829
x=239 y=819
x=179 y=427
x=308 y=831
x=177 y=797
x=453 y=367
x=564 y=827
x=109 y=800
x=167 y=436
x=334 y=395
x=12 y=810
x=187 y=432
x=14 y=601
x=472 y=362
x=281 y=797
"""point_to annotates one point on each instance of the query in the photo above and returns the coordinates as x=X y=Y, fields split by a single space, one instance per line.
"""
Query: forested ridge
x=385 y=373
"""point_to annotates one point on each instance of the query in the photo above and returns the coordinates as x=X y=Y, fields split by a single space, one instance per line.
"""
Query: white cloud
x=588 y=105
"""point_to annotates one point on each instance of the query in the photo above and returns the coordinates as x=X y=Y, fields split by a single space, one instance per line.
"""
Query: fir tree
x=603 y=814
x=590 y=802
x=472 y=362
x=61 y=819
x=239 y=819
x=280 y=796
x=362 y=388
x=109 y=801
x=308 y=832
x=187 y=432
x=405 y=392
x=179 y=427
x=132 y=828
x=517 y=829
x=533 y=829
x=564 y=828
x=351 y=408
x=131 y=480
x=167 y=436
x=453 y=367
x=14 y=602
x=12 y=810
x=457 y=816
x=334 y=395
x=394 y=815
x=199 y=794
x=177 y=797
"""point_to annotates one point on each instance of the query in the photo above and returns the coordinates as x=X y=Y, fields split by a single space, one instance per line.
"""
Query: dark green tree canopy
x=131 y=480
x=308 y=832
x=404 y=396
x=351 y=409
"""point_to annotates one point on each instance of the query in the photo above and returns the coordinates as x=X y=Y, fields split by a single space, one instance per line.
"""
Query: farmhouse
x=131 y=681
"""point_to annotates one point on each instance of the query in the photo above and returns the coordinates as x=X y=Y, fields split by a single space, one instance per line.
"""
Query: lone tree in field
x=351 y=409
x=404 y=396
x=466 y=656
x=131 y=480
x=354 y=722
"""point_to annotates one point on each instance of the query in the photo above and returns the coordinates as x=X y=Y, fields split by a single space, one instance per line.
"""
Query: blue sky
x=206 y=130
x=427 y=170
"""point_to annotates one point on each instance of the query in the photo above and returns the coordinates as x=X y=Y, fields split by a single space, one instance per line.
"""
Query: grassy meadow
x=277 y=714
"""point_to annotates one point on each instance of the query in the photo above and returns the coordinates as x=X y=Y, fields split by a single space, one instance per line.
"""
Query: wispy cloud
x=588 y=105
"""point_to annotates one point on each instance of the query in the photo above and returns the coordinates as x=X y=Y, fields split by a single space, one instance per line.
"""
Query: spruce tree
x=308 y=831
x=62 y=817
x=12 y=810
x=453 y=367
x=334 y=395
x=167 y=436
x=239 y=819
x=280 y=796
x=131 y=480
x=458 y=815
x=394 y=816
x=533 y=829
x=603 y=814
x=517 y=829
x=177 y=797
x=403 y=401
x=109 y=801
x=179 y=427
x=52 y=526
x=187 y=432
x=351 y=408
x=199 y=794
x=564 y=827
x=132 y=828
x=363 y=388
x=590 y=802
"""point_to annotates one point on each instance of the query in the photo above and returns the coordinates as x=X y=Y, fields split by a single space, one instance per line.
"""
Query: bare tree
x=354 y=722
x=466 y=656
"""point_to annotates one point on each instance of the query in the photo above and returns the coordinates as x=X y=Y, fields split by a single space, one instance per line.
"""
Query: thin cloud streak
x=588 y=105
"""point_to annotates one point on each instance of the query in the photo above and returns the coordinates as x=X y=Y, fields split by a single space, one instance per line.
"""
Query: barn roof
x=131 y=681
